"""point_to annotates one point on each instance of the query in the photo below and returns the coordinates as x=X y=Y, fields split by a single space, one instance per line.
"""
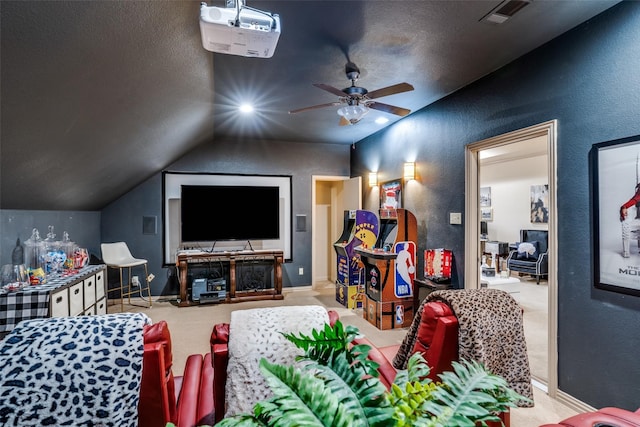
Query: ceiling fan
x=356 y=101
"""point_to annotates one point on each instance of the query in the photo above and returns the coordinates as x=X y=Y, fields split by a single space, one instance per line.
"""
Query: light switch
x=455 y=218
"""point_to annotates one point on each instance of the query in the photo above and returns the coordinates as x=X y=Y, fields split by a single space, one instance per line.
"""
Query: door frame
x=472 y=208
x=335 y=202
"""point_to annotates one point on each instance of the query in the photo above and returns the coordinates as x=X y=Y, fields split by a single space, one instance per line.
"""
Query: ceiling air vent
x=504 y=11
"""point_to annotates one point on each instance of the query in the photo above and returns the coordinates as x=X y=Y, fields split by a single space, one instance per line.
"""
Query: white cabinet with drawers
x=84 y=294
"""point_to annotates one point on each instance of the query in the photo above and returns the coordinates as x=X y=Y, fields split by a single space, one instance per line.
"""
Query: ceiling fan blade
x=343 y=121
x=398 y=111
x=330 y=89
x=314 y=107
x=390 y=90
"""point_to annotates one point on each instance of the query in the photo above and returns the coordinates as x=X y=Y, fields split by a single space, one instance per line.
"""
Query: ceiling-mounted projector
x=239 y=30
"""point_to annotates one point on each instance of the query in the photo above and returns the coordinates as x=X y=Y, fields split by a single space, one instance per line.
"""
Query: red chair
x=437 y=340
x=186 y=400
x=605 y=417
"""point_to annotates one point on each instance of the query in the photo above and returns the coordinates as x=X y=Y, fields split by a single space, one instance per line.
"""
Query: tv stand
x=234 y=259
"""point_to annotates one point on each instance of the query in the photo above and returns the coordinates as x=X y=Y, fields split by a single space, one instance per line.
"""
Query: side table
x=423 y=287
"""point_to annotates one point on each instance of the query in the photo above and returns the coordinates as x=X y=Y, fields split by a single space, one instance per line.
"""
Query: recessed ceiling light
x=246 y=108
x=381 y=120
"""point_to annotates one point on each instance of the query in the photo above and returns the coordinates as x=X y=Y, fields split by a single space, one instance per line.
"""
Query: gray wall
x=122 y=219
x=83 y=228
x=589 y=80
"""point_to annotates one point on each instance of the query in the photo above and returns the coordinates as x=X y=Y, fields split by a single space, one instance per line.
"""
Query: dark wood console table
x=184 y=258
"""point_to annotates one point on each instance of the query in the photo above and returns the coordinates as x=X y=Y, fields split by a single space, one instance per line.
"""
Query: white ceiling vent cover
x=504 y=11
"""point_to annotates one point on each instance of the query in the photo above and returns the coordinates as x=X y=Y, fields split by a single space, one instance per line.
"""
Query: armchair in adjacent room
x=530 y=255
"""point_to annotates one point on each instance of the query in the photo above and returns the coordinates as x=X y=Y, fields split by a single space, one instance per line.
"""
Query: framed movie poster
x=391 y=195
x=616 y=215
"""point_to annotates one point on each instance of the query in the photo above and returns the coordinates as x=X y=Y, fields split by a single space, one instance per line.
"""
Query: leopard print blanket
x=491 y=332
x=72 y=371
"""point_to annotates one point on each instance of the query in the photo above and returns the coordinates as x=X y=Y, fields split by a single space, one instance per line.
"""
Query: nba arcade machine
x=390 y=270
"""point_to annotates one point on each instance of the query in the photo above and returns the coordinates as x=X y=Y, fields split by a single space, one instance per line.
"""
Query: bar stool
x=117 y=255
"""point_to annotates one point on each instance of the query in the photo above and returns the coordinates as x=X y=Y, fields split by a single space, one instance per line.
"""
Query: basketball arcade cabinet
x=360 y=228
x=390 y=271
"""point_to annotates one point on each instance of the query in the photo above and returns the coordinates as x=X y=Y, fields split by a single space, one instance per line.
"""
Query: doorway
x=331 y=196
x=516 y=144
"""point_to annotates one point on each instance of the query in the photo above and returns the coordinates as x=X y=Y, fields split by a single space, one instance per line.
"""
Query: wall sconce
x=373 y=179
x=409 y=171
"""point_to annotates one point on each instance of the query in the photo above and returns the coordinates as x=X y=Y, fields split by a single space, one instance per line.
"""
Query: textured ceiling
x=97 y=96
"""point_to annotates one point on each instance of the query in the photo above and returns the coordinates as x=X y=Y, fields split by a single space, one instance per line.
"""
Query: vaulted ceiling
x=97 y=96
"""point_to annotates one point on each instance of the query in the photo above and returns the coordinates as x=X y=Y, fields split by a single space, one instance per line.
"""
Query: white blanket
x=256 y=333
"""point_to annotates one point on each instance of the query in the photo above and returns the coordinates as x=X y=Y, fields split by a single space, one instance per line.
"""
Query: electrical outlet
x=135 y=281
x=455 y=218
x=300 y=271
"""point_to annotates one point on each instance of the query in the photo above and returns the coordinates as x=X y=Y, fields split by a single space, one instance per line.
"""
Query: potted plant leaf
x=334 y=384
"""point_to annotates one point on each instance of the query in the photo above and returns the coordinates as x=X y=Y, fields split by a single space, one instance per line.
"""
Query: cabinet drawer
x=101 y=306
x=89 y=311
x=99 y=284
x=76 y=300
x=89 y=291
x=59 y=303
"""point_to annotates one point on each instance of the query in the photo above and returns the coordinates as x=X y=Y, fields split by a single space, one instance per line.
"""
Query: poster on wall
x=540 y=204
x=486 y=214
x=485 y=197
x=391 y=195
x=616 y=215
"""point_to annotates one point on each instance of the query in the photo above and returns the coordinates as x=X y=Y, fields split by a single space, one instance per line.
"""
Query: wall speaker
x=301 y=223
x=149 y=225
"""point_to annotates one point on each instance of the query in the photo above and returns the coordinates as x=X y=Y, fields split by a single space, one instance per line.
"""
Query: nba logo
x=399 y=315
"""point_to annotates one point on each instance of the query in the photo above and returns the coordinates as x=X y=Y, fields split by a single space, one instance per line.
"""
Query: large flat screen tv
x=211 y=213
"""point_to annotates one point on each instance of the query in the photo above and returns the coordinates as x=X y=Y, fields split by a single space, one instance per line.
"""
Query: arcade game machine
x=360 y=229
x=390 y=270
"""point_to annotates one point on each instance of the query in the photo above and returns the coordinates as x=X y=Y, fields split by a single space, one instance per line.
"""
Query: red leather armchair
x=185 y=400
x=220 y=359
x=437 y=340
x=605 y=417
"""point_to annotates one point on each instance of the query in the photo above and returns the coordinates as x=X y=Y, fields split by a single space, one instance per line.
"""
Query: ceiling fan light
x=353 y=113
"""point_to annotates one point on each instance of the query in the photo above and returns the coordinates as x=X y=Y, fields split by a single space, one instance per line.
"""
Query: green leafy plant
x=336 y=385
